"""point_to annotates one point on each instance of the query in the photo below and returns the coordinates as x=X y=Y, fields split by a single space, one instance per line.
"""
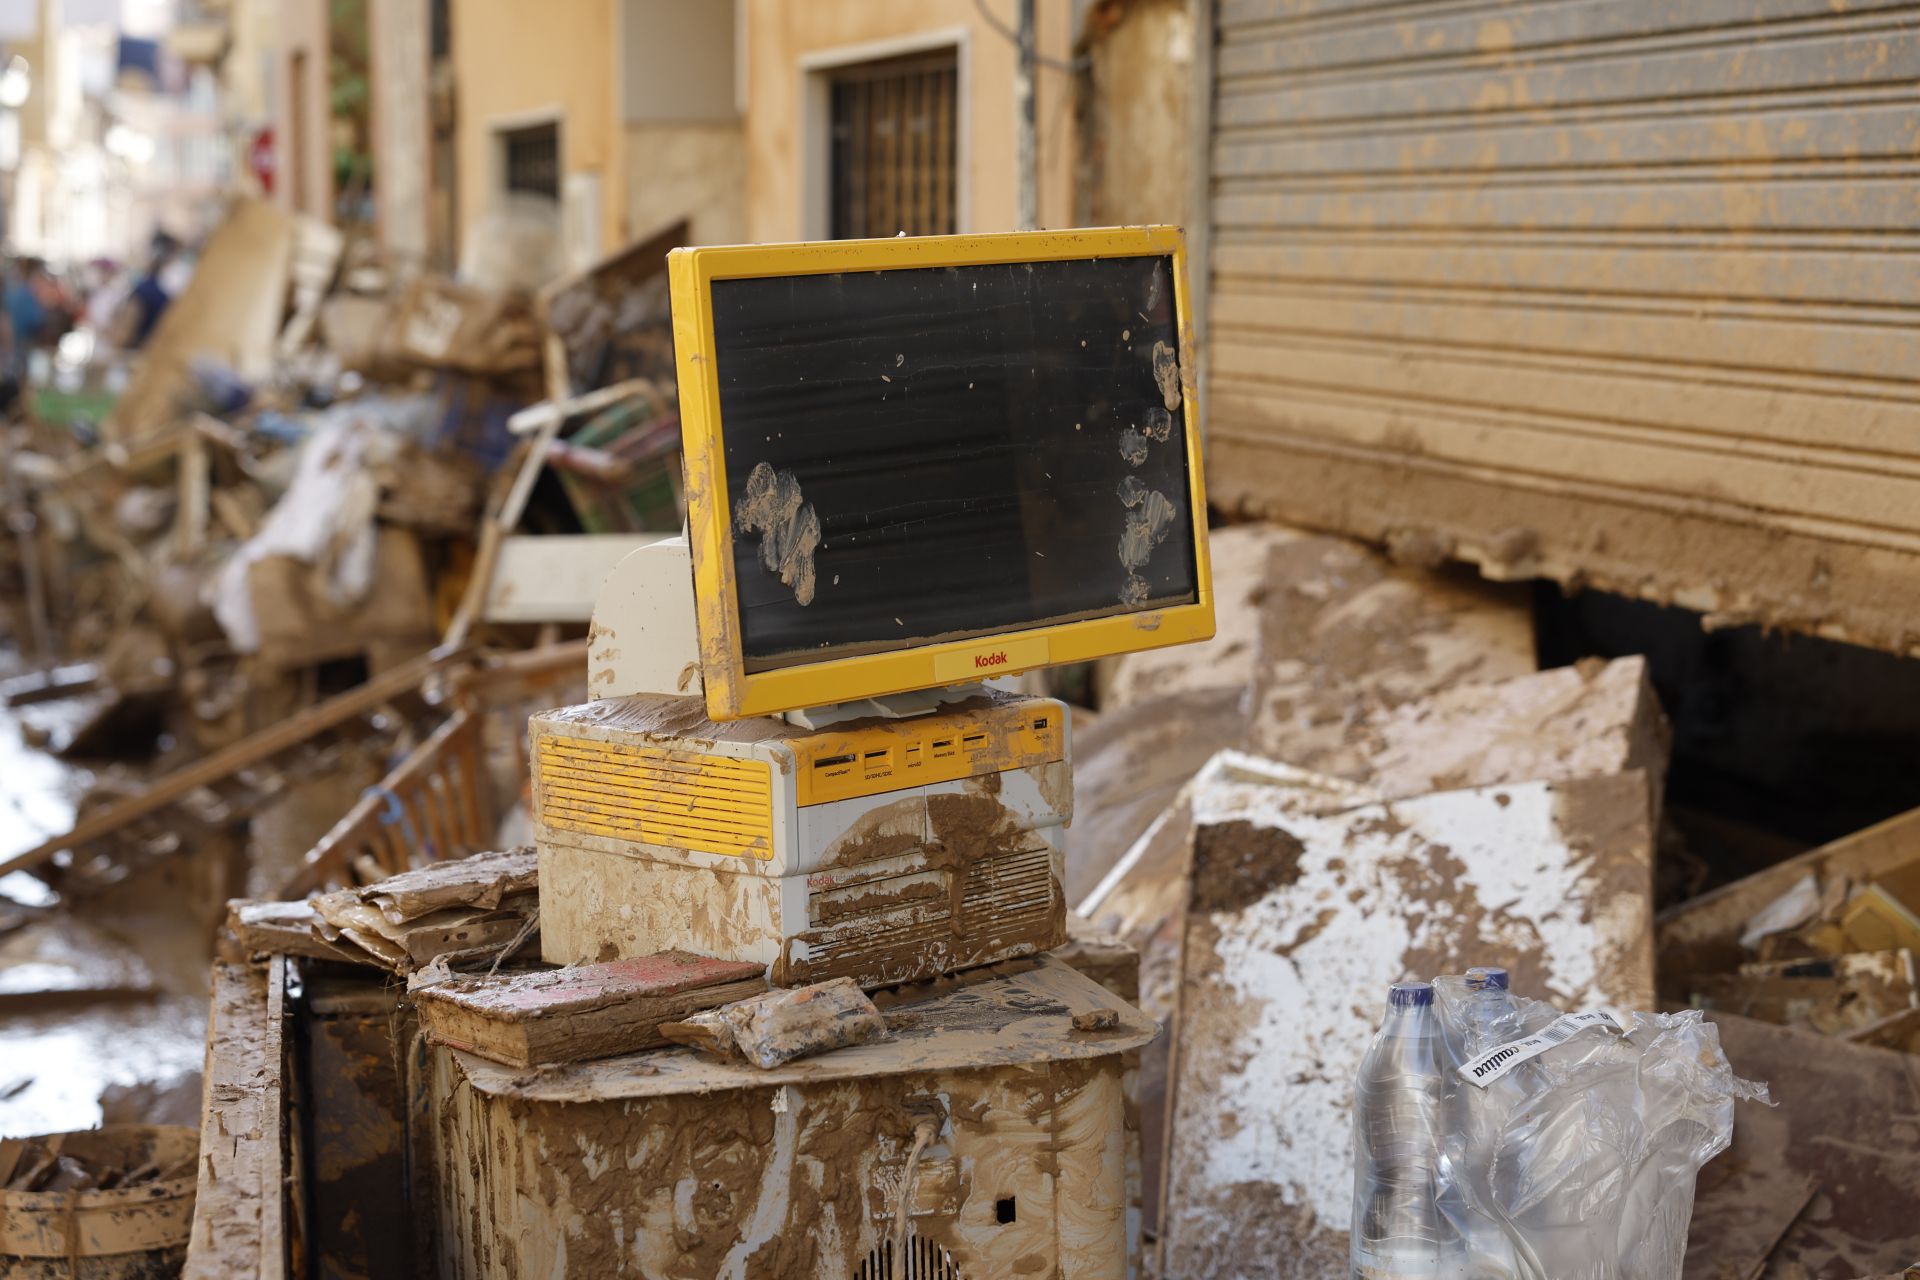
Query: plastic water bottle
x=1490 y=1022
x=1489 y=1009
x=1400 y=1231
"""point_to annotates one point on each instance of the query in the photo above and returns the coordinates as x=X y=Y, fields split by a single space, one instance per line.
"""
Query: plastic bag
x=1567 y=1144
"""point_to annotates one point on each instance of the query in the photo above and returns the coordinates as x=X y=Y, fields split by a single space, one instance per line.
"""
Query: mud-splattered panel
x=1610 y=291
x=948 y=452
x=1297 y=922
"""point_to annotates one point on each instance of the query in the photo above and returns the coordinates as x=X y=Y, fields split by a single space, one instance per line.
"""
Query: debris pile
x=1366 y=776
x=315 y=473
x=53 y=1163
x=285 y=609
x=453 y=914
x=1824 y=943
x=278 y=595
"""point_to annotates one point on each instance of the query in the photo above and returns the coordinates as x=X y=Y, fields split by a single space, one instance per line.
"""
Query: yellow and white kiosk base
x=886 y=844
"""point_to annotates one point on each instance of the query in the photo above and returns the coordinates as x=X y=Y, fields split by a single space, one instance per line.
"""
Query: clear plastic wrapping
x=1497 y=1137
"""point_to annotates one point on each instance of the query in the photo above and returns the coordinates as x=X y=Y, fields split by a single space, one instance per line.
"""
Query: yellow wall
x=695 y=171
x=518 y=60
x=514 y=60
x=782 y=33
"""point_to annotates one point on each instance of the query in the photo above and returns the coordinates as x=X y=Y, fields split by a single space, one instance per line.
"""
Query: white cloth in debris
x=325 y=518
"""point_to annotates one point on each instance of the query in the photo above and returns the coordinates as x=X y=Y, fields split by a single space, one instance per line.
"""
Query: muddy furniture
x=983 y=1138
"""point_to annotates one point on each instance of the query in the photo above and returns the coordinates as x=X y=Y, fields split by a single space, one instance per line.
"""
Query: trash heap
x=286 y=605
x=317 y=469
x=278 y=596
x=1367 y=777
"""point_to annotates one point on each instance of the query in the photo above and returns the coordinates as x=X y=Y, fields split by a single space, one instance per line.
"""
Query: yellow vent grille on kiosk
x=710 y=804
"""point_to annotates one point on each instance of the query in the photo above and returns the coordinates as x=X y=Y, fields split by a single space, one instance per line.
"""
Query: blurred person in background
x=35 y=310
x=151 y=295
x=26 y=313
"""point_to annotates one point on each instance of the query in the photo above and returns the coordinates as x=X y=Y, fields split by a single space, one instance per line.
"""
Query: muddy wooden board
x=581 y=1011
x=1825 y=1184
x=1021 y=1012
x=1141 y=901
x=239 y=1225
x=1295 y=926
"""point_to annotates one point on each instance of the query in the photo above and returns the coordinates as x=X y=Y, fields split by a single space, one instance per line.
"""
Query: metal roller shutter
x=1619 y=292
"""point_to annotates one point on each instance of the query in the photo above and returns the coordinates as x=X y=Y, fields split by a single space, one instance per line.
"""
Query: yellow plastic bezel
x=731 y=691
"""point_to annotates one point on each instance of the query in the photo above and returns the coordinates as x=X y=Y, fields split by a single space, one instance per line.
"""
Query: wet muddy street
x=107 y=997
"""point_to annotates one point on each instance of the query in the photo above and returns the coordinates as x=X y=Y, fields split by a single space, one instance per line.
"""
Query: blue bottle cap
x=1487 y=978
x=1410 y=995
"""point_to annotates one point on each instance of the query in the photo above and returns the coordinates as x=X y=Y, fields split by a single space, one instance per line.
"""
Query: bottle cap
x=1410 y=995
x=1487 y=978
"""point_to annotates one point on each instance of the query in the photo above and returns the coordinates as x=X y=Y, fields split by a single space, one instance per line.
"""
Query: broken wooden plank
x=580 y=1012
x=1831 y=995
x=1900 y=1031
x=335 y=711
x=1294 y=917
x=239 y=1211
x=53 y=683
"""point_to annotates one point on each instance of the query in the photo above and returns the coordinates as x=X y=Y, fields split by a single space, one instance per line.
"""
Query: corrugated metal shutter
x=1621 y=292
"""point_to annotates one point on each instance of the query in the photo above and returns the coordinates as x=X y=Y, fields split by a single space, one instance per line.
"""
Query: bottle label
x=1496 y=1063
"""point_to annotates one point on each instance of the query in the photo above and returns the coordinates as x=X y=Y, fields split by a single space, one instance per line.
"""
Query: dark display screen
x=933 y=454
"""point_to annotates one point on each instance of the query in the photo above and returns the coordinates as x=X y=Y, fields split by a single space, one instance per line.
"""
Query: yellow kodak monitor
x=919 y=462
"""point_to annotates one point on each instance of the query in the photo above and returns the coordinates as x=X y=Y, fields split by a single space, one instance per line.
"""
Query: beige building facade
x=758 y=120
x=804 y=58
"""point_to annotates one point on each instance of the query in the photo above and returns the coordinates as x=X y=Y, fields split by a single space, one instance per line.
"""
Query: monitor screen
x=919 y=455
